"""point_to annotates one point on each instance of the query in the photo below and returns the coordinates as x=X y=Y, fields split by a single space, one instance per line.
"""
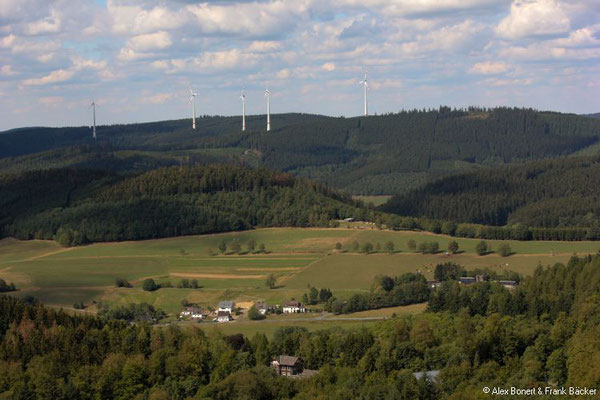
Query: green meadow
x=296 y=257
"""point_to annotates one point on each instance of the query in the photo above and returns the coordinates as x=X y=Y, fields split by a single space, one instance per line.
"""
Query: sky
x=137 y=59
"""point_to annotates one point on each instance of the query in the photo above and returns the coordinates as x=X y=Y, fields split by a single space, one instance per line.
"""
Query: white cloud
x=489 y=68
x=534 y=18
x=467 y=35
x=158 y=98
x=264 y=46
x=66 y=74
x=150 y=41
x=49 y=24
x=57 y=76
x=51 y=100
x=328 y=66
x=7 y=70
x=7 y=41
x=227 y=59
x=284 y=73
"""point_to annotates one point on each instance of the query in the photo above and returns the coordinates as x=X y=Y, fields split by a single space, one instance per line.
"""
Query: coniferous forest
x=545 y=194
x=79 y=206
x=385 y=154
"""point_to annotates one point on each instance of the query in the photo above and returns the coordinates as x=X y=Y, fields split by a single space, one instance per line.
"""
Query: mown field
x=297 y=257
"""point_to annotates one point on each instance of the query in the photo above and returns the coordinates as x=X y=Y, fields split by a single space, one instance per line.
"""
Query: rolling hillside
x=384 y=154
x=552 y=193
x=78 y=206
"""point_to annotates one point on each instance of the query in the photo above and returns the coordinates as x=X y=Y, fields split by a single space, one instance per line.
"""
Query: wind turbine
x=93 y=107
x=365 y=88
x=193 y=101
x=268 y=97
x=243 y=97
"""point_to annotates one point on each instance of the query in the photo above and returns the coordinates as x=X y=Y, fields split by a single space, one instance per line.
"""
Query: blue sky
x=138 y=58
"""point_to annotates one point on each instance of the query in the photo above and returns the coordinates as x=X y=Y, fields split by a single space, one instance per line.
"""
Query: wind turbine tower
x=268 y=96
x=243 y=97
x=93 y=107
x=365 y=88
x=193 y=101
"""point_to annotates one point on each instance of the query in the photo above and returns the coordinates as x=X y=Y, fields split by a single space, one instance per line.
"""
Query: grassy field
x=296 y=257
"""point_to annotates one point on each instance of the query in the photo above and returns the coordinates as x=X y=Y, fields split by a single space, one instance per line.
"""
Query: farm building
x=287 y=365
x=192 y=312
x=226 y=306
x=263 y=307
x=509 y=284
x=224 y=316
x=292 y=307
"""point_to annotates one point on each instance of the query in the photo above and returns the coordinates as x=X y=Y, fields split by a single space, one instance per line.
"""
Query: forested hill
x=79 y=206
x=383 y=154
x=552 y=193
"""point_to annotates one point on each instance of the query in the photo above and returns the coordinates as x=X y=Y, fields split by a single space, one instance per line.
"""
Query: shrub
x=429 y=247
x=481 y=248
x=120 y=282
x=412 y=245
x=453 y=247
x=149 y=285
x=504 y=250
x=389 y=246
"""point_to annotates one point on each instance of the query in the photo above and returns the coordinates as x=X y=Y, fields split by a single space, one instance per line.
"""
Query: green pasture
x=296 y=257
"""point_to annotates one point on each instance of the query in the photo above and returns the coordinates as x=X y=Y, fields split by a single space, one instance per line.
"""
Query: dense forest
x=78 y=206
x=546 y=333
x=545 y=194
x=384 y=154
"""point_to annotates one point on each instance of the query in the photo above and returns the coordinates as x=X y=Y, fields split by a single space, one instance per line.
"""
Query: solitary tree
x=453 y=247
x=313 y=295
x=367 y=248
x=236 y=247
x=504 y=250
x=271 y=281
x=149 y=285
x=355 y=246
x=338 y=246
x=251 y=245
x=389 y=246
x=262 y=248
x=222 y=246
x=481 y=248
x=412 y=245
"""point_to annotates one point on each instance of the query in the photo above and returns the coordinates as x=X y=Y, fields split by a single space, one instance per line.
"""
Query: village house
x=287 y=365
x=226 y=306
x=224 y=316
x=510 y=285
x=263 y=307
x=192 y=313
x=293 y=307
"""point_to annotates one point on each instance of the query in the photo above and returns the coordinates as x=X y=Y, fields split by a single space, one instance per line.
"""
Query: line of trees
x=386 y=291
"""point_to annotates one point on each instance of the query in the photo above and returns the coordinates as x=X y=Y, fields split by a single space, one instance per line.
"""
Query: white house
x=226 y=306
x=292 y=307
x=262 y=307
x=191 y=312
x=224 y=316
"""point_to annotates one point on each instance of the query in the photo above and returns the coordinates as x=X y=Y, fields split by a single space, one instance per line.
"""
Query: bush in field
x=481 y=248
x=504 y=250
x=149 y=285
x=120 y=282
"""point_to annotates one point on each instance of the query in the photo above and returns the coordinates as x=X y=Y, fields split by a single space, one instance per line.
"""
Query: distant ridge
x=375 y=155
x=596 y=115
